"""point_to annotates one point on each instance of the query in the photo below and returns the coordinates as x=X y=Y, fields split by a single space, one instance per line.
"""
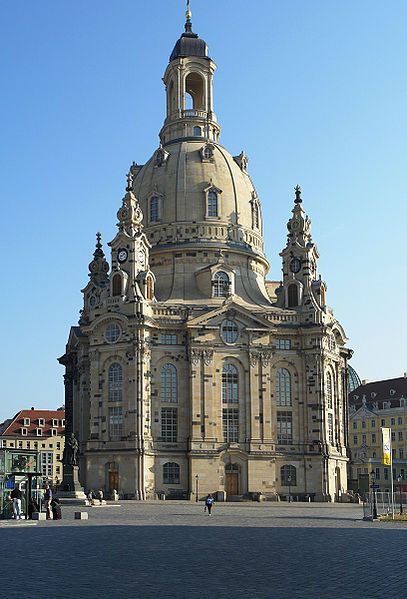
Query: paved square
x=173 y=549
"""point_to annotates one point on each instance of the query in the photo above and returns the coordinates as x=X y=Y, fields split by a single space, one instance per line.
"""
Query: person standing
x=16 y=496
x=47 y=500
x=100 y=496
x=209 y=501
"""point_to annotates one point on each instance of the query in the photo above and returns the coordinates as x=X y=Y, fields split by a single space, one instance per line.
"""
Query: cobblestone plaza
x=174 y=549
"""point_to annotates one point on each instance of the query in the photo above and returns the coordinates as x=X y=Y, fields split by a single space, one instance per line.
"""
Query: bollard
x=81 y=516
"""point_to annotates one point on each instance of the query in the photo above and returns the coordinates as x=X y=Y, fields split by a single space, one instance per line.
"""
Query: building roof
x=353 y=379
x=189 y=44
x=13 y=426
x=375 y=393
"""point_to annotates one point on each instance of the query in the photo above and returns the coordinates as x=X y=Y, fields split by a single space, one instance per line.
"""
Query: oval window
x=112 y=333
x=229 y=331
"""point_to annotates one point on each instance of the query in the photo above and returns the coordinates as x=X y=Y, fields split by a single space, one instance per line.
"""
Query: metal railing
x=384 y=505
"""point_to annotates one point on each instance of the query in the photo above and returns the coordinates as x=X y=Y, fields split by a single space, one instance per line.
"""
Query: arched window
x=329 y=390
x=220 y=284
x=154 y=209
x=230 y=397
x=194 y=87
x=117 y=284
x=115 y=382
x=230 y=384
x=283 y=387
x=197 y=131
x=171 y=473
x=292 y=295
x=212 y=203
x=288 y=476
x=149 y=288
x=169 y=384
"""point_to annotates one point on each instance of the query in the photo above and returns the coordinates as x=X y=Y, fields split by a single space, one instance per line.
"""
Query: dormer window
x=161 y=157
x=54 y=432
x=41 y=422
x=54 y=422
x=39 y=432
x=23 y=432
x=26 y=422
x=212 y=208
x=220 y=284
x=207 y=152
x=62 y=422
x=154 y=211
x=255 y=211
x=212 y=197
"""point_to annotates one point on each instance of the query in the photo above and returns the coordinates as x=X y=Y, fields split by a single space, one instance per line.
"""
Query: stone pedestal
x=70 y=486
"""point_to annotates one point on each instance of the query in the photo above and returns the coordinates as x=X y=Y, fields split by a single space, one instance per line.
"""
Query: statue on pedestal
x=70 y=457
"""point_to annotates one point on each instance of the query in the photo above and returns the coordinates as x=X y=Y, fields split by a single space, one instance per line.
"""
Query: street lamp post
x=373 y=475
x=197 y=488
x=289 y=488
x=399 y=480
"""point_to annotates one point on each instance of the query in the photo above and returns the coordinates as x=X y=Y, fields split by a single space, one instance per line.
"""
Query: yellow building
x=373 y=406
x=38 y=430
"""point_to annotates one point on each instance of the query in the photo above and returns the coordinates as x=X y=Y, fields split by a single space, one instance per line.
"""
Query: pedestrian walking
x=47 y=500
x=209 y=501
x=16 y=496
x=100 y=496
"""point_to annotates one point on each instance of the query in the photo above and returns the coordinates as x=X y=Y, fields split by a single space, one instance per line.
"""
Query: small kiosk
x=19 y=467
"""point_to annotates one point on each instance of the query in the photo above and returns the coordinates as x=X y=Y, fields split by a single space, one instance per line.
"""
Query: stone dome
x=179 y=177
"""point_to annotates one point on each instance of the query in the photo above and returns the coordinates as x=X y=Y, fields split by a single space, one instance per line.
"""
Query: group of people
x=51 y=503
x=93 y=497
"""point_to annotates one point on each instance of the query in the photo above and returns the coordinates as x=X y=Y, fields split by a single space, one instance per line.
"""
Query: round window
x=229 y=331
x=112 y=333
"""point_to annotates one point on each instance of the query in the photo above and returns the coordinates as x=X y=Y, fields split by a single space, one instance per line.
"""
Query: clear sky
x=314 y=91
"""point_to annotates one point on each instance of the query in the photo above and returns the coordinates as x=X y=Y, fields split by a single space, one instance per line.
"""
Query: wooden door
x=113 y=481
x=232 y=483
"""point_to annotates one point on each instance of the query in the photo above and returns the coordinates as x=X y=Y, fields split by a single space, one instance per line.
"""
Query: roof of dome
x=353 y=379
x=185 y=177
x=189 y=44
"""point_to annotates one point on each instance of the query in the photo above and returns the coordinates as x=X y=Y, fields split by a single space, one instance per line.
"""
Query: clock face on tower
x=295 y=265
x=122 y=255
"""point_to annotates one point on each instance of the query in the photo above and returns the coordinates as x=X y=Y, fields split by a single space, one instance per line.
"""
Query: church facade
x=189 y=372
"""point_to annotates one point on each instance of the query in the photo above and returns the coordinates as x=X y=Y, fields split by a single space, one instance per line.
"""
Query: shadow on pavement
x=189 y=561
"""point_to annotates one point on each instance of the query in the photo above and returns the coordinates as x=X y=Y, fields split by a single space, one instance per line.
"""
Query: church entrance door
x=231 y=479
x=232 y=483
x=113 y=481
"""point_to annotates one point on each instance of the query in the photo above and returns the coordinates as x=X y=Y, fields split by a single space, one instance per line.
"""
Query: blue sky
x=313 y=90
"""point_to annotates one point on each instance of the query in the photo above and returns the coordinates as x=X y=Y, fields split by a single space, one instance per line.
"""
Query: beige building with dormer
x=188 y=369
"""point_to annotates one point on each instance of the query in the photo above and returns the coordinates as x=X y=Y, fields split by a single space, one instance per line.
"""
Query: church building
x=189 y=372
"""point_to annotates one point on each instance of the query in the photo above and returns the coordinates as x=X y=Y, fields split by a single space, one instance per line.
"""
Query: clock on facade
x=122 y=255
x=295 y=265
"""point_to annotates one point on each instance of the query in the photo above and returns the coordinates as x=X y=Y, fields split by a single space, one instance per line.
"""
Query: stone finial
x=297 y=190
